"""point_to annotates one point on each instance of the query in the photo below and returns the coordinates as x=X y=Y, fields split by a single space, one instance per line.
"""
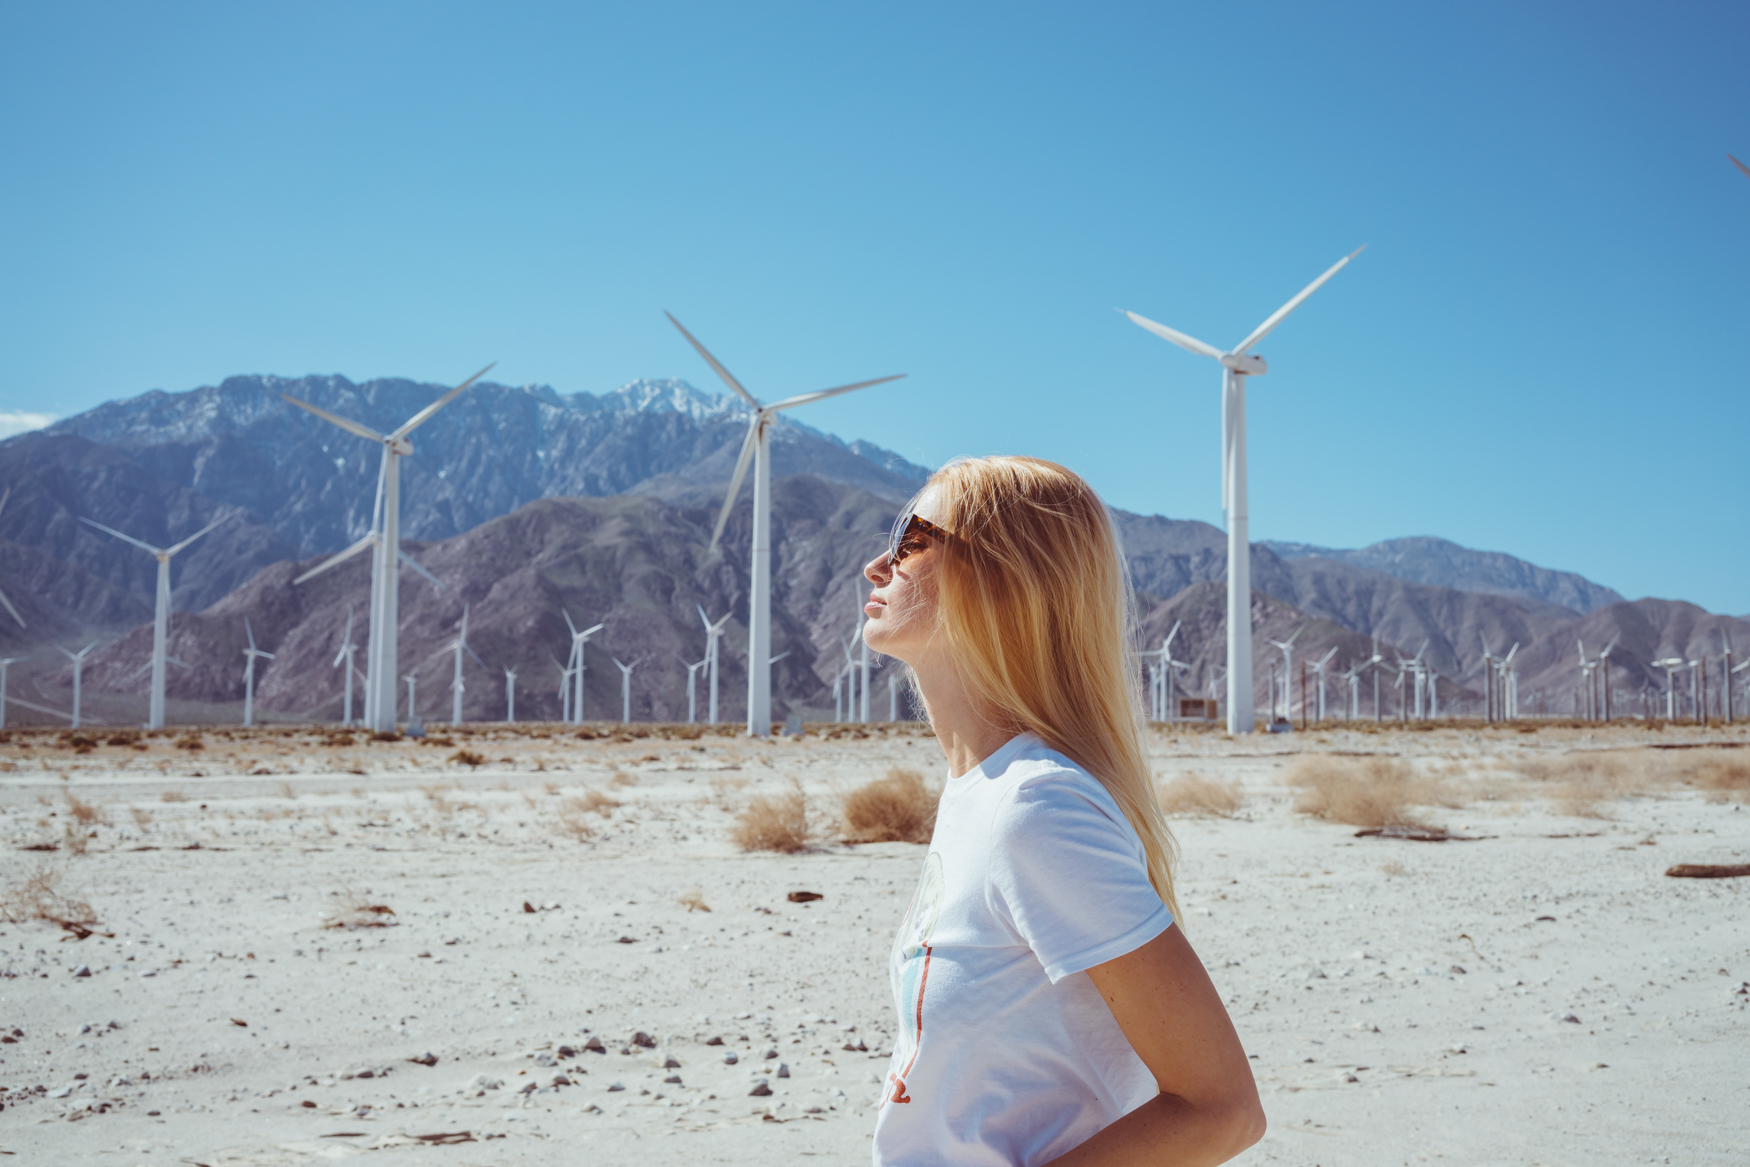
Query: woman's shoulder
x=1035 y=776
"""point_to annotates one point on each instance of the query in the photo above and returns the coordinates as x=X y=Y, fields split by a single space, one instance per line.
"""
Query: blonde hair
x=1035 y=606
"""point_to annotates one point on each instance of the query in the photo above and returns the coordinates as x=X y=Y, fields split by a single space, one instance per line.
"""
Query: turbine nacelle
x=1245 y=364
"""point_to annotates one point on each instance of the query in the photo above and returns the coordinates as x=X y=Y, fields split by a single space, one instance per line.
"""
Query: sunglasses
x=911 y=534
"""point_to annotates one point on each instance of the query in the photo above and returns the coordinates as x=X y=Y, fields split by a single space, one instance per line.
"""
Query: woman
x=1050 y=1012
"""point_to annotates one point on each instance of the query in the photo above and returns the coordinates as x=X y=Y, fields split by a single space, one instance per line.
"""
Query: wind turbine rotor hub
x=1246 y=364
x=400 y=446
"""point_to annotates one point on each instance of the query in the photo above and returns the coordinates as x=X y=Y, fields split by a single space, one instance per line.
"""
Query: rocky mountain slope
x=1424 y=559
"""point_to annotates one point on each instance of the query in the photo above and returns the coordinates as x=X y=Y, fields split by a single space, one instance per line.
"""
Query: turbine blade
x=249 y=632
x=228 y=516
x=1168 y=642
x=345 y=423
x=712 y=361
x=704 y=619
x=568 y=623
x=1276 y=317
x=424 y=415
x=747 y=448
x=4 y=495
x=8 y=605
x=476 y=656
x=1184 y=341
x=804 y=399
x=417 y=566
x=119 y=535
x=368 y=541
x=588 y=632
x=1746 y=170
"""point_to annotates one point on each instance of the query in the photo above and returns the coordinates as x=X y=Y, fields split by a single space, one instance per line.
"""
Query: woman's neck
x=967 y=737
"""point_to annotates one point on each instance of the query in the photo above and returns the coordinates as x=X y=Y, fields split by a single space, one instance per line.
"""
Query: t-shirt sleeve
x=1069 y=875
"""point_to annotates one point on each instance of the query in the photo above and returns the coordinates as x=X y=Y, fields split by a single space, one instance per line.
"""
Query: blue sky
x=1538 y=352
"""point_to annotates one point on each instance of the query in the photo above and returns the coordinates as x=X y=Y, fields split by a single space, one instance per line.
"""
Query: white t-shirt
x=1006 y=1052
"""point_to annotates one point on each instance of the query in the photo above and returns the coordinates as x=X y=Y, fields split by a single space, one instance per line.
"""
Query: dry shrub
x=1192 y=794
x=173 y=796
x=1577 y=783
x=85 y=813
x=1363 y=792
x=621 y=778
x=1394 y=868
x=1720 y=774
x=596 y=801
x=896 y=808
x=37 y=897
x=570 y=812
x=774 y=823
x=695 y=901
x=190 y=741
x=356 y=911
x=142 y=816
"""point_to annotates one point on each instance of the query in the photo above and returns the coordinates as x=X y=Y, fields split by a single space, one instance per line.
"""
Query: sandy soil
x=1542 y=995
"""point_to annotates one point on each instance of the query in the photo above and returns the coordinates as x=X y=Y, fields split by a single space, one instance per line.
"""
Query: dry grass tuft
x=173 y=796
x=37 y=897
x=142 y=816
x=1193 y=794
x=356 y=911
x=1394 y=868
x=896 y=808
x=1723 y=776
x=774 y=823
x=570 y=812
x=468 y=758
x=85 y=813
x=1363 y=792
x=1579 y=783
x=599 y=803
x=695 y=901
x=621 y=778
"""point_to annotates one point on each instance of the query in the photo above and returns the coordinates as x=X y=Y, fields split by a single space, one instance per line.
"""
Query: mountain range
x=528 y=503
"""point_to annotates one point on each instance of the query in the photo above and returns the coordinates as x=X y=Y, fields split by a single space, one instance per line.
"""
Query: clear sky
x=1540 y=352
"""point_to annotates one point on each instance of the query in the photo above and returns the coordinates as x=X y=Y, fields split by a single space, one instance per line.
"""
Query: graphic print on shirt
x=910 y=966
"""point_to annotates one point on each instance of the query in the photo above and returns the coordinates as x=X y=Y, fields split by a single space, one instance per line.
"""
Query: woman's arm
x=1207 y=1110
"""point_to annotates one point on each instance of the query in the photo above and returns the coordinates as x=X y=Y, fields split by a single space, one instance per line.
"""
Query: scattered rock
x=307 y=1104
x=625 y=940
x=528 y=907
x=425 y=1059
x=616 y=1086
x=83 y=970
x=803 y=897
x=859 y=1048
x=240 y=1023
x=594 y=1045
x=783 y=1070
x=643 y=1039
x=709 y=1041
x=729 y=1058
x=672 y=1080
x=561 y=1080
x=1708 y=870
x=760 y=1090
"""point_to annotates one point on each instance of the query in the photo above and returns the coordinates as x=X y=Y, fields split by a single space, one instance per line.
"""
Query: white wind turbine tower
x=1287 y=662
x=8 y=661
x=575 y=667
x=1352 y=677
x=509 y=696
x=625 y=690
x=459 y=646
x=6 y=603
x=1670 y=664
x=161 y=612
x=344 y=657
x=383 y=645
x=1236 y=365
x=758 y=446
x=78 y=659
x=412 y=704
x=713 y=633
x=693 y=686
x=1319 y=669
x=250 y=654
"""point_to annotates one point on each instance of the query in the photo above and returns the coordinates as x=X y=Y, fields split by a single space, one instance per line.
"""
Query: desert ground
x=508 y=946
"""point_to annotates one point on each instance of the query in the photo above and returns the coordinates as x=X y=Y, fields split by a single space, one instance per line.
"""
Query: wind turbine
x=758 y=446
x=250 y=654
x=382 y=646
x=693 y=685
x=1604 y=660
x=1726 y=671
x=78 y=659
x=714 y=633
x=1670 y=664
x=4 y=495
x=509 y=696
x=1287 y=665
x=1236 y=365
x=459 y=646
x=1510 y=684
x=7 y=661
x=161 y=614
x=344 y=656
x=892 y=695
x=1319 y=668
x=575 y=667
x=625 y=690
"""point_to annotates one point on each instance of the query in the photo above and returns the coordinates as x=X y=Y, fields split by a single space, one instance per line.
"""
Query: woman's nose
x=878 y=570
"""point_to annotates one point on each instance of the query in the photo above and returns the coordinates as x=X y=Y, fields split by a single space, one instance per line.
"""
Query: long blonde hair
x=1035 y=606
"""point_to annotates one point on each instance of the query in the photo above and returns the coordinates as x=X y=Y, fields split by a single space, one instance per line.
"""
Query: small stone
x=425 y=1059
x=544 y=1060
x=770 y=1054
x=625 y=940
x=643 y=1039
x=672 y=1080
x=714 y=1041
x=566 y=1051
x=83 y=970
x=594 y=1045
x=729 y=1058
x=670 y=1063
x=783 y=1070
x=528 y=907
x=616 y=1086
x=561 y=1080
x=307 y=1104
x=760 y=1090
